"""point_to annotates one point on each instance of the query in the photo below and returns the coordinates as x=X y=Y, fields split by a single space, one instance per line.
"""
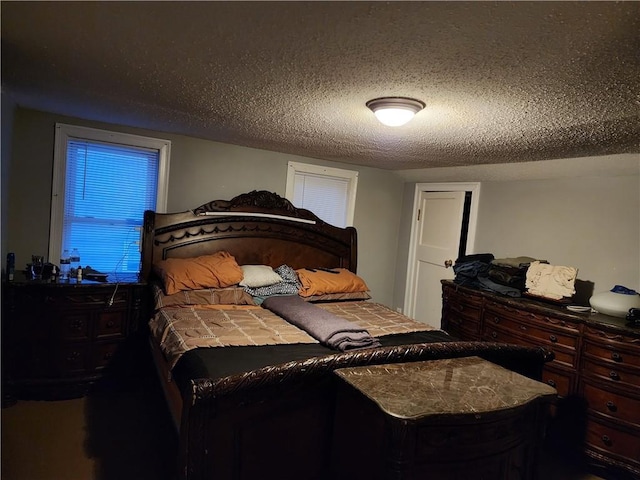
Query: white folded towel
x=550 y=281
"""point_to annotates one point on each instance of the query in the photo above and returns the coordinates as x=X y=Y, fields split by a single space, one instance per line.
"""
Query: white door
x=437 y=239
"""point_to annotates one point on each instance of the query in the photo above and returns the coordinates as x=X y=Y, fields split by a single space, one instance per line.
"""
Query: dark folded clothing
x=509 y=279
x=327 y=328
x=468 y=272
x=476 y=257
x=488 y=284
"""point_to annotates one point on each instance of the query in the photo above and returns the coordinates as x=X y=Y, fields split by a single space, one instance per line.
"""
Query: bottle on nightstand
x=65 y=265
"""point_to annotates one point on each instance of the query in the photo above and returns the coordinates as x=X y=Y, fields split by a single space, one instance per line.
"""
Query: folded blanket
x=551 y=281
x=329 y=329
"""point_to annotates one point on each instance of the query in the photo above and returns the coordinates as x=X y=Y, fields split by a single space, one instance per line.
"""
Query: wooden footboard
x=276 y=422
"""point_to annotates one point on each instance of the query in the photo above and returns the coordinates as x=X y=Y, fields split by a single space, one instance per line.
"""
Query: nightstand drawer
x=103 y=354
x=75 y=326
x=72 y=359
x=110 y=324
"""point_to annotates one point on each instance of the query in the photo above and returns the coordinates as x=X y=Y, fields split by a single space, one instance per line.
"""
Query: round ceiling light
x=395 y=111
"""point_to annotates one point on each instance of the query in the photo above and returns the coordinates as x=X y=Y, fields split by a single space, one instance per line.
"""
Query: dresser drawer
x=546 y=336
x=611 y=351
x=453 y=295
x=461 y=325
x=606 y=402
x=561 y=381
x=615 y=442
x=611 y=374
x=495 y=333
x=528 y=317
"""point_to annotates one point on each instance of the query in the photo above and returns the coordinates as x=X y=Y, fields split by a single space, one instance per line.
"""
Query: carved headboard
x=258 y=228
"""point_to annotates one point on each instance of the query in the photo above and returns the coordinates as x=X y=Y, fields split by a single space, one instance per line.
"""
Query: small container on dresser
x=60 y=338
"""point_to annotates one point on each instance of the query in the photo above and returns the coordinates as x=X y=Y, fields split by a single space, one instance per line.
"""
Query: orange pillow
x=320 y=282
x=218 y=270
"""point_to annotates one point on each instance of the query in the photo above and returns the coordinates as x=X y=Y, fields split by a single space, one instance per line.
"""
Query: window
x=102 y=184
x=330 y=193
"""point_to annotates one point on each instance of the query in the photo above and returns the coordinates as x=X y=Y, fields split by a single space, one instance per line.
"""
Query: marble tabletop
x=468 y=385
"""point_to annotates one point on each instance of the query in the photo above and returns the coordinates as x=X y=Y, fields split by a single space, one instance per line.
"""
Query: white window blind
x=324 y=196
x=107 y=187
x=327 y=192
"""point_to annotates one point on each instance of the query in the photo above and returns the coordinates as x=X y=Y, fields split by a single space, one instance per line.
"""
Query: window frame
x=64 y=132
x=350 y=175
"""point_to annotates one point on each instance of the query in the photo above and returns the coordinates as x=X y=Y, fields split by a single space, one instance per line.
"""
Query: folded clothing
x=516 y=262
x=551 y=281
x=468 y=268
x=329 y=329
x=508 y=277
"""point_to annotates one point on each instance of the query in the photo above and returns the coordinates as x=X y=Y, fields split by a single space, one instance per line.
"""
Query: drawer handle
x=494 y=334
x=110 y=324
x=553 y=338
x=616 y=357
x=108 y=356
x=611 y=406
x=523 y=328
x=552 y=383
x=76 y=325
x=72 y=357
x=496 y=320
x=607 y=440
x=614 y=375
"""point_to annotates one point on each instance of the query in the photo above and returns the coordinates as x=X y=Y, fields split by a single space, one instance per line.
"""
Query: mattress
x=215 y=341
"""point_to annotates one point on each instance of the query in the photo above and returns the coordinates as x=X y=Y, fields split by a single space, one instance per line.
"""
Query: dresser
x=60 y=338
x=441 y=419
x=596 y=369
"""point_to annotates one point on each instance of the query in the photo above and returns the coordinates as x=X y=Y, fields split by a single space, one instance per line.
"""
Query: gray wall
x=8 y=110
x=200 y=171
x=582 y=212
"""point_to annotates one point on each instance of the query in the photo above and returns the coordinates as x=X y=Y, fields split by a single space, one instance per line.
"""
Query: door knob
x=448 y=263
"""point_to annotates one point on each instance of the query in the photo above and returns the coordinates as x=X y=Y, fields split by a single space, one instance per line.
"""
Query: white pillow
x=259 y=276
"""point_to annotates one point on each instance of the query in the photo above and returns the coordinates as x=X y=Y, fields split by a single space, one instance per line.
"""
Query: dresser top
x=615 y=324
x=468 y=385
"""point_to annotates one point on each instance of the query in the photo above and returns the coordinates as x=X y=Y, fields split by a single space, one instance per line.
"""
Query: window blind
x=324 y=195
x=107 y=189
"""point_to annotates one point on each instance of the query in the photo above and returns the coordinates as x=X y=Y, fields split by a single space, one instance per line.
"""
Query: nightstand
x=58 y=339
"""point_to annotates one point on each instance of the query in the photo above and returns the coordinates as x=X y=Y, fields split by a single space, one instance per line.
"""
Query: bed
x=251 y=405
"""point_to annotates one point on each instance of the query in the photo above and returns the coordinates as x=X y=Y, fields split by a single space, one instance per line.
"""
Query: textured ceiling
x=502 y=81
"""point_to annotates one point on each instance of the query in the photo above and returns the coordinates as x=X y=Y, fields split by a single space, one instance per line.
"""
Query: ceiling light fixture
x=395 y=111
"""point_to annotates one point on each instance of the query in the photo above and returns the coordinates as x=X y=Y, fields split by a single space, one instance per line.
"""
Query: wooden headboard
x=257 y=228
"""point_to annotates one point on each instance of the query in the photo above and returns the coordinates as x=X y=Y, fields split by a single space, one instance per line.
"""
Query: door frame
x=474 y=188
